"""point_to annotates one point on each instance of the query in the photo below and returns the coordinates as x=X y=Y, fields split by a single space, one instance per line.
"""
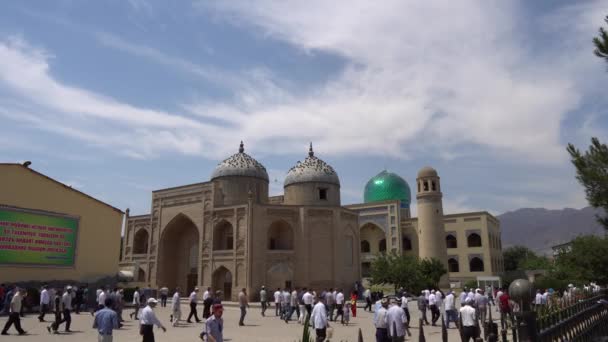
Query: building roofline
x=370 y=204
x=65 y=186
x=472 y=213
x=180 y=186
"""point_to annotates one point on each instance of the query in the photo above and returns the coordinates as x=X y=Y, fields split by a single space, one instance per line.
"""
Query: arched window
x=141 y=275
x=366 y=269
x=450 y=241
x=365 y=248
x=476 y=265
x=280 y=236
x=433 y=187
x=474 y=240
x=223 y=236
x=140 y=242
x=426 y=185
x=406 y=243
x=453 y=265
x=382 y=246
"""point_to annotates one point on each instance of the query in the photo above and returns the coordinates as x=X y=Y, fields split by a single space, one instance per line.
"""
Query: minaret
x=431 y=229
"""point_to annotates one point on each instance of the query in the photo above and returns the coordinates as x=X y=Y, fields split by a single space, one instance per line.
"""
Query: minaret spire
x=241 y=147
x=311 y=153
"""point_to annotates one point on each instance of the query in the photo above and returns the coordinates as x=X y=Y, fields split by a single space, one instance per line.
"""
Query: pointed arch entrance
x=222 y=280
x=178 y=257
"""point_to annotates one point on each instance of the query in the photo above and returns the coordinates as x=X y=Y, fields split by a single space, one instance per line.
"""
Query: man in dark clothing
x=57 y=305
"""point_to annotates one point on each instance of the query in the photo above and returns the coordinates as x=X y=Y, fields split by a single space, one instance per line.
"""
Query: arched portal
x=223 y=236
x=280 y=236
x=178 y=256
x=476 y=265
x=141 y=275
x=140 y=242
x=222 y=280
x=450 y=241
x=474 y=240
x=373 y=234
x=453 y=265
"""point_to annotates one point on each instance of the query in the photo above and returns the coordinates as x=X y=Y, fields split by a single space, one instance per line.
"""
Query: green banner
x=28 y=237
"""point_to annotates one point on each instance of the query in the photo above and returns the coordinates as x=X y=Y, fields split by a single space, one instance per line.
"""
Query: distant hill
x=539 y=228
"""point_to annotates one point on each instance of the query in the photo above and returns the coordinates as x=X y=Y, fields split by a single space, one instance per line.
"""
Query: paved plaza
x=257 y=328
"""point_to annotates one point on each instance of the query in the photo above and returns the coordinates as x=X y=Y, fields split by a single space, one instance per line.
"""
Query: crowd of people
x=391 y=315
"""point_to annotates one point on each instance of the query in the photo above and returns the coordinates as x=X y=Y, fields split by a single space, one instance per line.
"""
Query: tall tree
x=515 y=256
x=601 y=43
x=432 y=270
x=592 y=173
x=585 y=261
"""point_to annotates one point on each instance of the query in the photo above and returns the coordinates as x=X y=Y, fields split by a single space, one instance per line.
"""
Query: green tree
x=514 y=256
x=586 y=261
x=432 y=270
x=592 y=173
x=405 y=271
x=601 y=43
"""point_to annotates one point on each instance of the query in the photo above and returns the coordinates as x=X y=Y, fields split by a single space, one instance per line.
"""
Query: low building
x=50 y=231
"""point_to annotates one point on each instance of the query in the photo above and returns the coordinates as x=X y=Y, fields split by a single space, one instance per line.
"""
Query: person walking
x=277 y=302
x=57 y=311
x=45 y=300
x=406 y=311
x=396 y=320
x=301 y=307
x=308 y=301
x=433 y=306
x=293 y=305
x=285 y=299
x=164 y=293
x=381 y=321
x=330 y=301
x=214 y=326
x=176 y=309
x=243 y=304
x=193 y=302
x=367 y=295
x=14 y=316
x=207 y=303
x=319 y=321
x=339 y=306
x=469 y=323
x=450 y=309
x=463 y=297
x=263 y=300
x=353 y=303
x=481 y=300
x=105 y=321
x=66 y=303
x=422 y=307
x=148 y=321
x=136 y=303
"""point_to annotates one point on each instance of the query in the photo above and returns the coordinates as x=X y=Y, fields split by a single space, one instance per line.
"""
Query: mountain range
x=539 y=229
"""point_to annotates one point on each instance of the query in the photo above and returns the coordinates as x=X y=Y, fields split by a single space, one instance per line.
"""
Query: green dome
x=387 y=186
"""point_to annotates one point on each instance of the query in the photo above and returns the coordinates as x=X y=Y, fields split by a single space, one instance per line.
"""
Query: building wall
x=308 y=194
x=98 y=245
x=233 y=190
x=490 y=251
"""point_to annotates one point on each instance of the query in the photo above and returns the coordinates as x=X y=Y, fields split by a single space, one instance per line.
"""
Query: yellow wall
x=97 y=249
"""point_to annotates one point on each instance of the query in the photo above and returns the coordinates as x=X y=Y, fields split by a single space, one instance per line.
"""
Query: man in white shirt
x=406 y=310
x=285 y=300
x=308 y=299
x=277 y=302
x=434 y=310
x=450 y=309
x=148 y=321
x=14 y=313
x=381 y=320
x=498 y=295
x=176 y=309
x=66 y=302
x=263 y=300
x=45 y=300
x=293 y=305
x=340 y=306
x=207 y=293
x=546 y=297
x=395 y=319
x=193 y=301
x=319 y=321
x=469 y=323
x=136 y=303
x=101 y=299
x=367 y=295
x=164 y=293
x=538 y=300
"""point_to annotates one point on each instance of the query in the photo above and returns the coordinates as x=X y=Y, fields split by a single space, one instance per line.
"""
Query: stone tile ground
x=257 y=329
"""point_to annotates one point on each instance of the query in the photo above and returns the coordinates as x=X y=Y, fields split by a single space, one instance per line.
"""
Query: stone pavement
x=257 y=329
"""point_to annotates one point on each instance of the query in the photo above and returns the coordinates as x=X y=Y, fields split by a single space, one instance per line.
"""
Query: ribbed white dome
x=240 y=164
x=312 y=169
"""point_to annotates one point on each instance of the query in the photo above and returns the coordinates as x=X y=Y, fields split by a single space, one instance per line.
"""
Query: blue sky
x=118 y=98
